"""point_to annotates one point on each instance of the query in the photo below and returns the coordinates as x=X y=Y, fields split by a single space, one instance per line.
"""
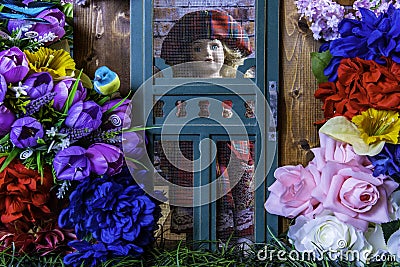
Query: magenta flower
x=71 y=164
x=7 y=118
x=84 y=115
x=13 y=65
x=62 y=90
x=39 y=84
x=105 y=159
x=25 y=132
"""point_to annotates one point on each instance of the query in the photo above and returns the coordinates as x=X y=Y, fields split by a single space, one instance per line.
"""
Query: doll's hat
x=203 y=24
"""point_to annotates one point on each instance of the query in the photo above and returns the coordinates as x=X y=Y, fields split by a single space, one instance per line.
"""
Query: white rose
x=395 y=200
x=394 y=244
x=329 y=235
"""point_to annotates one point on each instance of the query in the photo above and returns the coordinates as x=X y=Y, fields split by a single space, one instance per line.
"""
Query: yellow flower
x=378 y=125
x=58 y=63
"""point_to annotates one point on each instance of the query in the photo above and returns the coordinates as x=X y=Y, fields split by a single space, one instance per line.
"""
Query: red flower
x=27 y=237
x=23 y=193
x=361 y=84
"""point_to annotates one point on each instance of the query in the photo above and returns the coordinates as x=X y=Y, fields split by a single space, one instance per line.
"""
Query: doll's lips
x=208 y=60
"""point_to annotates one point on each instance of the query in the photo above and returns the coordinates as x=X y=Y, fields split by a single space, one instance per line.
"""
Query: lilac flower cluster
x=323 y=17
x=376 y=6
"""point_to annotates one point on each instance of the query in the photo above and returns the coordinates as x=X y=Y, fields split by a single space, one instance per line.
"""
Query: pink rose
x=354 y=194
x=332 y=150
x=291 y=192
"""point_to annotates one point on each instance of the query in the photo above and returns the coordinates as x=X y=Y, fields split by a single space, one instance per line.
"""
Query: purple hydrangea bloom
x=370 y=39
x=116 y=212
x=84 y=114
x=105 y=159
x=46 y=32
x=62 y=90
x=39 y=84
x=118 y=117
x=86 y=254
x=7 y=118
x=387 y=162
x=72 y=164
x=25 y=132
x=13 y=65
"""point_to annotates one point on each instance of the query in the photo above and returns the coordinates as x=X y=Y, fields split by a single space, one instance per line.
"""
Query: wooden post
x=101 y=37
x=298 y=108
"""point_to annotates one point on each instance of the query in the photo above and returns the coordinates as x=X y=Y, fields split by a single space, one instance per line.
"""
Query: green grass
x=196 y=254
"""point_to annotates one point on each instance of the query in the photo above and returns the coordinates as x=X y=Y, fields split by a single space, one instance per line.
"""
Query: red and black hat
x=203 y=24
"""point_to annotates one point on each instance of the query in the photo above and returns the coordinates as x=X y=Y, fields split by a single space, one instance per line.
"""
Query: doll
x=211 y=44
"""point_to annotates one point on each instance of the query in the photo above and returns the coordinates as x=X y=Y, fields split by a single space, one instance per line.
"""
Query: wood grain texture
x=298 y=109
x=101 y=37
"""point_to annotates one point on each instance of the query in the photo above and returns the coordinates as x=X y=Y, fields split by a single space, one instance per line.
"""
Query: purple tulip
x=62 y=90
x=133 y=145
x=3 y=88
x=105 y=159
x=25 y=132
x=84 y=115
x=47 y=32
x=7 y=118
x=71 y=164
x=39 y=84
x=13 y=65
x=118 y=116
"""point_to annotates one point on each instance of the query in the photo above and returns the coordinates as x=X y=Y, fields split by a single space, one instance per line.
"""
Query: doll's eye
x=197 y=49
x=214 y=47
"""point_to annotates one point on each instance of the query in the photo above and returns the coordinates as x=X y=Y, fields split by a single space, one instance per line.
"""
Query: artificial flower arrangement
x=323 y=16
x=65 y=186
x=346 y=200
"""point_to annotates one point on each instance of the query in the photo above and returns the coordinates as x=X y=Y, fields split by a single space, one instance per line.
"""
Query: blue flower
x=387 y=162
x=371 y=38
x=116 y=212
x=86 y=254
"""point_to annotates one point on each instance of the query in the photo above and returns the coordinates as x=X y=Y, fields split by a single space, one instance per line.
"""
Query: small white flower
x=52 y=132
x=19 y=89
x=64 y=143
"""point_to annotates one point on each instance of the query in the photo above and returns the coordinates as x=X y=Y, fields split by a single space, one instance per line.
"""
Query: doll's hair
x=204 y=24
x=233 y=58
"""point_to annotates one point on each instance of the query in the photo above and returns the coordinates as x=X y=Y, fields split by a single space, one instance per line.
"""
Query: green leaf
x=319 y=61
x=137 y=162
x=5 y=139
x=71 y=95
x=63 y=44
x=14 y=152
x=39 y=165
x=389 y=228
x=86 y=81
x=118 y=104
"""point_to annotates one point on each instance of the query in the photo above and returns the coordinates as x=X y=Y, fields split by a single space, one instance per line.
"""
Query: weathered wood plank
x=101 y=37
x=298 y=108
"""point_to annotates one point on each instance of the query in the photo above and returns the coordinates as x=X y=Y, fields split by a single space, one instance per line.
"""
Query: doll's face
x=209 y=57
